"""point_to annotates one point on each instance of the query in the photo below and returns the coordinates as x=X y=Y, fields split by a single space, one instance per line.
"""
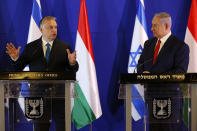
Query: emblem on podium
x=34 y=107
x=162 y=108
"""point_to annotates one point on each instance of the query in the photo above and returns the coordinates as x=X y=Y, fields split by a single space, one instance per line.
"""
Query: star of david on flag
x=135 y=56
x=139 y=37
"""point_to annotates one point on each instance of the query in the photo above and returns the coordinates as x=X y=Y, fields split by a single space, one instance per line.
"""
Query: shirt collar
x=44 y=42
x=164 y=39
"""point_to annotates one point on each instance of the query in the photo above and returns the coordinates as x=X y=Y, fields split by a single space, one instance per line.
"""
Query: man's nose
x=152 y=28
x=54 y=29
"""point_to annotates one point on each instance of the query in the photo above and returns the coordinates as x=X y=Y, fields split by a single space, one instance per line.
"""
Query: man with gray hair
x=164 y=53
x=46 y=54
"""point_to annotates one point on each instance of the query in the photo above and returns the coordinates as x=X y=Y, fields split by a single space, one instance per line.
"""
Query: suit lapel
x=153 y=48
x=164 y=48
x=52 y=53
x=39 y=48
x=40 y=51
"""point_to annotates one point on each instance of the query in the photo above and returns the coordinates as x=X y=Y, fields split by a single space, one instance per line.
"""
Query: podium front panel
x=26 y=102
x=161 y=101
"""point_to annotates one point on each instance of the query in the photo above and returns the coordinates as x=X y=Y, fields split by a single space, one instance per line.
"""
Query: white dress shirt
x=45 y=47
x=163 y=40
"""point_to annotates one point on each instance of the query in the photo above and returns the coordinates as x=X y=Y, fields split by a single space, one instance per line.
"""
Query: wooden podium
x=125 y=92
x=54 y=78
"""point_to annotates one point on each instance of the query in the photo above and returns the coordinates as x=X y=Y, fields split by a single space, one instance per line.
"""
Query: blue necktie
x=47 y=51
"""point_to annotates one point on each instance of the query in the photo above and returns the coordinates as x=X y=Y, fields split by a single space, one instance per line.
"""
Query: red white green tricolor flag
x=87 y=106
x=191 y=40
x=191 y=37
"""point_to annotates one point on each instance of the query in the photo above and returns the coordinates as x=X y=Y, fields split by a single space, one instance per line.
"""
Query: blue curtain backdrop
x=111 y=26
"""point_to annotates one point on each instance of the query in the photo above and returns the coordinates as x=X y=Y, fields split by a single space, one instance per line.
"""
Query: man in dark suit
x=163 y=54
x=46 y=54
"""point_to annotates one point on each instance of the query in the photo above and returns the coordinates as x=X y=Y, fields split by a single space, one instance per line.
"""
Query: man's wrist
x=14 y=59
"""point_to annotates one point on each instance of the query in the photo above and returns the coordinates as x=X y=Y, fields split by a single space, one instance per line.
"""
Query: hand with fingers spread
x=12 y=51
x=35 y=56
x=71 y=57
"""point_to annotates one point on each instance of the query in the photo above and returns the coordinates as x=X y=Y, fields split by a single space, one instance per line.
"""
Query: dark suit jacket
x=172 y=58
x=34 y=57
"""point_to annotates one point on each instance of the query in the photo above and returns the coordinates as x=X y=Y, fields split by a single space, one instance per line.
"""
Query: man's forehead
x=50 y=22
x=155 y=20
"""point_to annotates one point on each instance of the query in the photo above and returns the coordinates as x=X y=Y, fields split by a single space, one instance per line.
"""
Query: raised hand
x=12 y=51
x=71 y=57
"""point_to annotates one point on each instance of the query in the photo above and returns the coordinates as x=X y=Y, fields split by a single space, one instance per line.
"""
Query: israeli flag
x=34 y=30
x=137 y=44
x=36 y=16
x=34 y=33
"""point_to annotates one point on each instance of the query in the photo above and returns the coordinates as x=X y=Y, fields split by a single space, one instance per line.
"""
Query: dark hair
x=45 y=19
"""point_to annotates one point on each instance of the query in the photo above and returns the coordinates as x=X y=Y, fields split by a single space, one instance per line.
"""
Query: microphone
x=146 y=61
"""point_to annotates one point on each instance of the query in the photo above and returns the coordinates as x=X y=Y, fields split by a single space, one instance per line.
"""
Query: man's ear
x=167 y=26
x=40 y=29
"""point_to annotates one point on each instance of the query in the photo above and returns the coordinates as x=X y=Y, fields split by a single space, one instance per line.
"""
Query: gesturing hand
x=71 y=57
x=12 y=51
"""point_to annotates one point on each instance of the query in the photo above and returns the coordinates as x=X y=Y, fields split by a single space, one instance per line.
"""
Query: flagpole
x=144 y=123
x=90 y=126
x=2 y=108
x=128 y=108
x=193 y=107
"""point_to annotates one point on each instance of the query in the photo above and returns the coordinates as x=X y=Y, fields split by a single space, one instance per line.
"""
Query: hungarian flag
x=86 y=106
x=191 y=40
x=191 y=37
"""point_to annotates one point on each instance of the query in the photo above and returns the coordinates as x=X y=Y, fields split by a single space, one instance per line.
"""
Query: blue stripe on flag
x=25 y=92
x=138 y=101
x=36 y=13
x=141 y=15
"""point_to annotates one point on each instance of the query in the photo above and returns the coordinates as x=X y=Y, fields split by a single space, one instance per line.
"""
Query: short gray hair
x=165 y=18
x=46 y=18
